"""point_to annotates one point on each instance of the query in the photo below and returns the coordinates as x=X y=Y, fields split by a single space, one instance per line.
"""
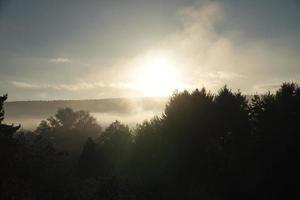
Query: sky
x=91 y=49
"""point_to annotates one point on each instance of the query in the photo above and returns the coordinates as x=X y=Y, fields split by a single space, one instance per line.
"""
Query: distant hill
x=30 y=113
x=127 y=110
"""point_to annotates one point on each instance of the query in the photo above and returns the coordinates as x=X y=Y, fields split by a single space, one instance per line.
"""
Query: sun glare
x=157 y=75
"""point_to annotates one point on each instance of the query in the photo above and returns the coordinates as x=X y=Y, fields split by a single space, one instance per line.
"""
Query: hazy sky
x=82 y=49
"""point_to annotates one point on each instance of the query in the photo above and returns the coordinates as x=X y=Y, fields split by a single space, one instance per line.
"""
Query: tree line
x=203 y=146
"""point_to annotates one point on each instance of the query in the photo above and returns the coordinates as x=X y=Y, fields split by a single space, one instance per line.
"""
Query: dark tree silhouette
x=69 y=129
x=203 y=146
x=6 y=131
x=275 y=120
x=88 y=159
x=114 y=147
x=26 y=161
x=147 y=159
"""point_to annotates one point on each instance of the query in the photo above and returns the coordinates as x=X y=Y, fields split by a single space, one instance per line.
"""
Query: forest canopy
x=203 y=146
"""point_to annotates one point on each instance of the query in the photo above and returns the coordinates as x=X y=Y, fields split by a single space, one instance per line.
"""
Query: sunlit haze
x=149 y=99
x=106 y=49
x=157 y=75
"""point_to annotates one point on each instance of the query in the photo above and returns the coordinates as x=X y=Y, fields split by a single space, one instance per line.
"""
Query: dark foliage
x=204 y=146
x=69 y=129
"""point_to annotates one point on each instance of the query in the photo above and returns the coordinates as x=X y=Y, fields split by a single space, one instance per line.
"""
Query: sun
x=157 y=74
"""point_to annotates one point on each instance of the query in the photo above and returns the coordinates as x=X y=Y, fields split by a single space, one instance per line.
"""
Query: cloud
x=70 y=87
x=206 y=54
x=224 y=75
x=74 y=87
x=210 y=56
x=263 y=88
x=25 y=85
x=60 y=60
x=202 y=56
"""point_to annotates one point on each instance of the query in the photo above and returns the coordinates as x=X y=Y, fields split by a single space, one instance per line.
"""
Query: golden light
x=157 y=74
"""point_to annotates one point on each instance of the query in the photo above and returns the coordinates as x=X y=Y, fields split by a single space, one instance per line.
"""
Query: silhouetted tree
x=6 y=131
x=69 y=129
x=88 y=159
x=275 y=120
x=114 y=146
x=189 y=141
x=9 y=149
x=203 y=146
x=27 y=162
x=147 y=160
x=234 y=133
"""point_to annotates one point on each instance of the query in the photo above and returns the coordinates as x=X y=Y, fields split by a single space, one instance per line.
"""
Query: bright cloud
x=24 y=85
x=74 y=87
x=211 y=58
x=60 y=60
x=205 y=57
x=201 y=53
